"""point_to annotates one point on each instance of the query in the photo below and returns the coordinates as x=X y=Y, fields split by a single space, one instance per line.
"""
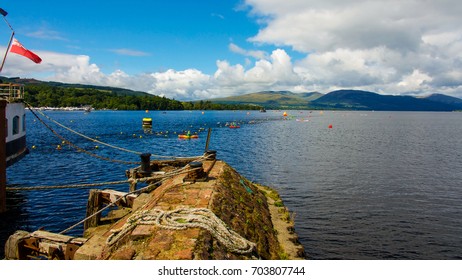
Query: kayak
x=184 y=136
x=234 y=126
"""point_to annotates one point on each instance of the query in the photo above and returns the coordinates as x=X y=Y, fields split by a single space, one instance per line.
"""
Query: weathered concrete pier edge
x=205 y=210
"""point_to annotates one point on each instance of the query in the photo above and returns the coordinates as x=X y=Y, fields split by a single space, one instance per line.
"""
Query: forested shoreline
x=48 y=95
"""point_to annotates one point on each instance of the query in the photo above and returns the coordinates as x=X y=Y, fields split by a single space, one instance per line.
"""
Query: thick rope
x=89 y=138
x=92 y=139
x=74 y=186
x=77 y=147
x=183 y=218
x=148 y=188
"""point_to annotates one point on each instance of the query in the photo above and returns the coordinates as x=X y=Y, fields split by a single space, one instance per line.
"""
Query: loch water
x=361 y=185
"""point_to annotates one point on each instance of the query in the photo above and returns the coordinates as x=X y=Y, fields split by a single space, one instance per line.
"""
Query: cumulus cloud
x=276 y=73
x=390 y=47
x=380 y=45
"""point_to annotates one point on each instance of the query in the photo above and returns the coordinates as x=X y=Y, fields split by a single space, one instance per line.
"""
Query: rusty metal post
x=2 y=156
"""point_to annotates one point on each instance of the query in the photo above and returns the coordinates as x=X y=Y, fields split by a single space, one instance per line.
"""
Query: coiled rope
x=148 y=188
x=183 y=218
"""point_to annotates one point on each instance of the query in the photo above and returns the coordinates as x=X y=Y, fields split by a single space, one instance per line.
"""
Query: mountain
x=62 y=94
x=437 y=97
x=345 y=100
x=365 y=100
x=272 y=99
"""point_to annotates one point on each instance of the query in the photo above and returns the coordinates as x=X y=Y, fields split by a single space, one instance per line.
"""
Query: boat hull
x=16 y=145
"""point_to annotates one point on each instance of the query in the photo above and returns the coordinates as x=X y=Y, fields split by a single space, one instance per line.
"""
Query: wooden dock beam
x=98 y=198
x=93 y=206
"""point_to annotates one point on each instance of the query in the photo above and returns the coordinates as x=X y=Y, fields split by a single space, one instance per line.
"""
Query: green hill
x=54 y=94
x=344 y=100
x=272 y=99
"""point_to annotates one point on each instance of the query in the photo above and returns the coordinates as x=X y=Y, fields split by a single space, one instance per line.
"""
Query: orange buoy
x=285 y=114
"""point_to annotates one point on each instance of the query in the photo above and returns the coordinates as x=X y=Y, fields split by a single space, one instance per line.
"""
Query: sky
x=191 y=50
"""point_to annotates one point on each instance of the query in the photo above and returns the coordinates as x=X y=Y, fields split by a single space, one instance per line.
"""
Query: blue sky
x=191 y=50
x=139 y=36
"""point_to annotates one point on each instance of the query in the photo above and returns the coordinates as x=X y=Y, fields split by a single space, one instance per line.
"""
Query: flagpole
x=6 y=51
x=4 y=13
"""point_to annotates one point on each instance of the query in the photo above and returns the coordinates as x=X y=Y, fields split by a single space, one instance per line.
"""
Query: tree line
x=45 y=95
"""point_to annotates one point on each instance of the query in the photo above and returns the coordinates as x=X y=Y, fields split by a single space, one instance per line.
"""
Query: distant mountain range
x=345 y=100
x=335 y=100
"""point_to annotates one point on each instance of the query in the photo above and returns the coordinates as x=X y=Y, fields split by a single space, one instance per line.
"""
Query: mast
x=4 y=14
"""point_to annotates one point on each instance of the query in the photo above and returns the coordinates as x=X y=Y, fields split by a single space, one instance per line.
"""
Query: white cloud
x=405 y=46
x=190 y=83
x=47 y=33
x=395 y=46
x=129 y=52
x=253 y=53
x=220 y=16
x=414 y=81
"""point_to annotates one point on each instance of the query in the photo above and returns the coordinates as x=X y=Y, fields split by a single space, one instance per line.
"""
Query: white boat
x=15 y=122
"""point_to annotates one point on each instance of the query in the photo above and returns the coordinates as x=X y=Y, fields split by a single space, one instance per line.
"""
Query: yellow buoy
x=147 y=123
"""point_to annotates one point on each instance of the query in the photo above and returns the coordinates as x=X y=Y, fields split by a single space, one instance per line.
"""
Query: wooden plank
x=93 y=206
x=112 y=196
x=51 y=236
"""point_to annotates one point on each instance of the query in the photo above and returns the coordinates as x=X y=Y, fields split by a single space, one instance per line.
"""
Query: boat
x=87 y=109
x=12 y=96
x=12 y=108
x=188 y=136
x=233 y=125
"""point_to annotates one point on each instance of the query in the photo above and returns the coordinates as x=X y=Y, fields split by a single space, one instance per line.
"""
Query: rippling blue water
x=377 y=185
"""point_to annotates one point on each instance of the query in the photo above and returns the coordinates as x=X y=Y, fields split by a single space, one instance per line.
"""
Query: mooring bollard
x=196 y=173
x=210 y=155
x=145 y=163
